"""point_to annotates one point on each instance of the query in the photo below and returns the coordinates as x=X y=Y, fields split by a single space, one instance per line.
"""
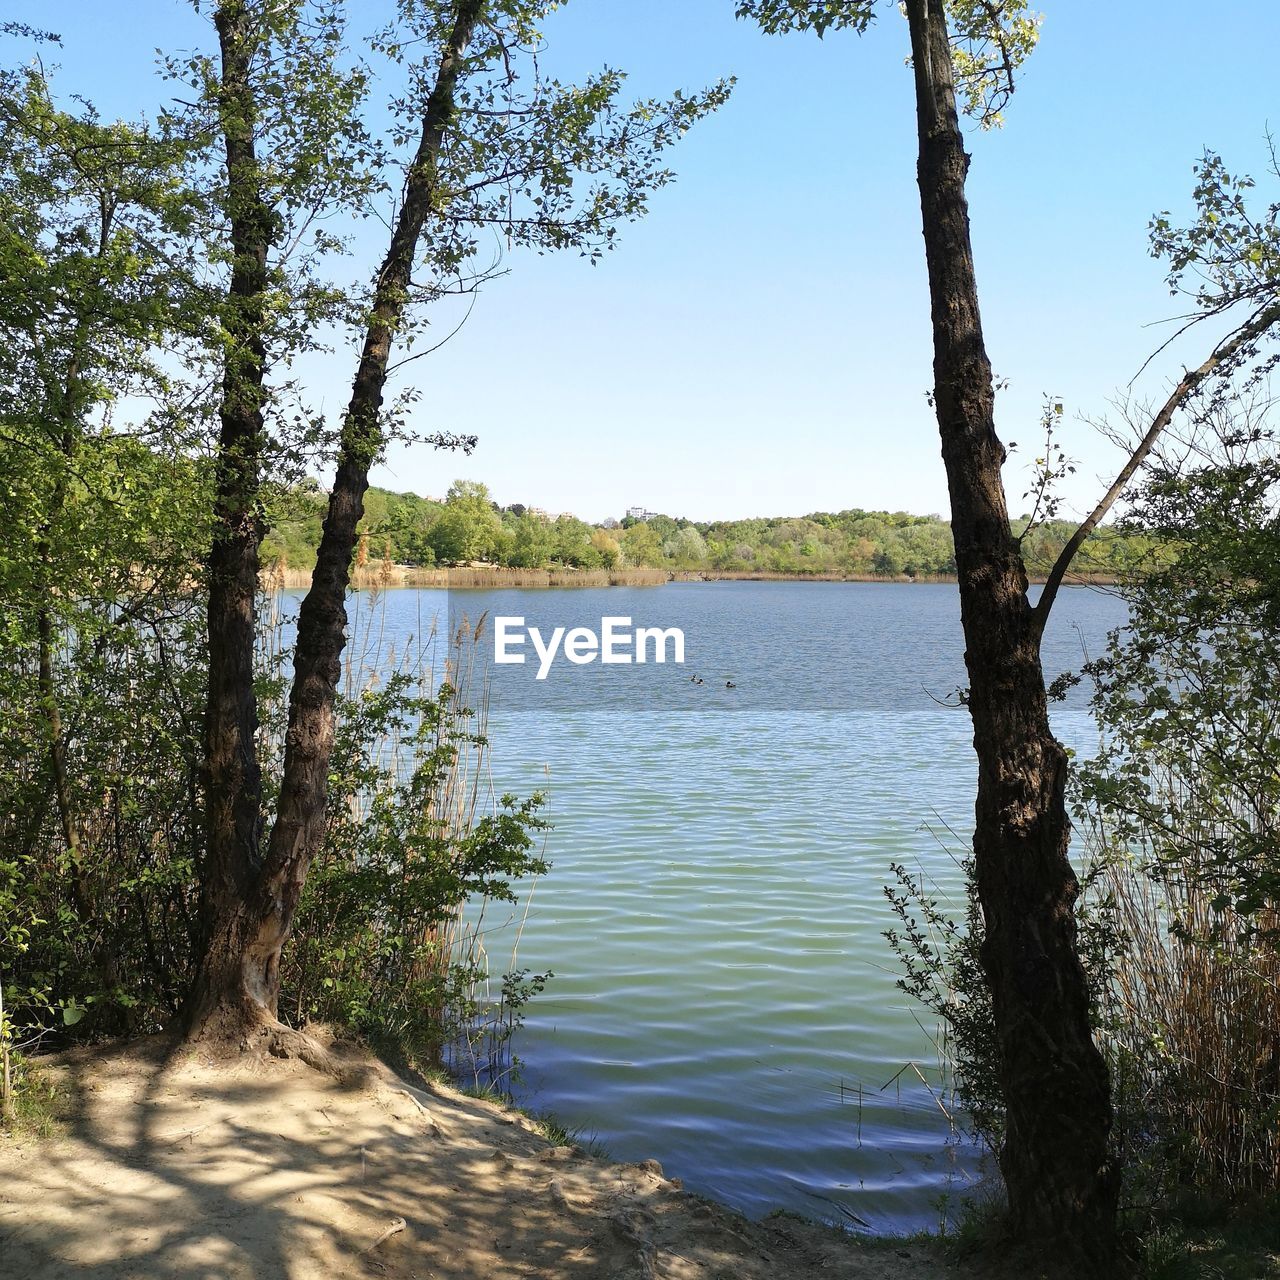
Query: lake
x=724 y=1000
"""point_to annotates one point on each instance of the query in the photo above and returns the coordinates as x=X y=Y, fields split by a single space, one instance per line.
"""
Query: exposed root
x=252 y=1034
x=286 y=1042
x=629 y=1227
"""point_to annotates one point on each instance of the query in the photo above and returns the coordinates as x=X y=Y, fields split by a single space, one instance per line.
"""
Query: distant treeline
x=469 y=527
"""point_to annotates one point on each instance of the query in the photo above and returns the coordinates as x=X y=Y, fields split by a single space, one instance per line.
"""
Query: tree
x=467 y=528
x=102 y=525
x=531 y=541
x=1186 y=694
x=571 y=543
x=277 y=85
x=686 y=548
x=606 y=548
x=1061 y=1182
x=891 y=559
x=553 y=167
x=642 y=546
x=459 y=534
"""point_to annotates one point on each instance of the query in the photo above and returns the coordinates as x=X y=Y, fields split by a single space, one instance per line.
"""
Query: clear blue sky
x=760 y=343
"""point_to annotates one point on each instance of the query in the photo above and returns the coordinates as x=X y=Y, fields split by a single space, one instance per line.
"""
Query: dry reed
x=480 y=1014
x=492 y=577
x=1191 y=1011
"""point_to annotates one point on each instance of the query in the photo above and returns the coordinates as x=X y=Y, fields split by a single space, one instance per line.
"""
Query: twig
x=397 y=1225
x=1257 y=325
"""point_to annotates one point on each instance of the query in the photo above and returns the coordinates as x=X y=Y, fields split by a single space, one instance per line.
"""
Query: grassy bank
x=713 y=575
x=496 y=577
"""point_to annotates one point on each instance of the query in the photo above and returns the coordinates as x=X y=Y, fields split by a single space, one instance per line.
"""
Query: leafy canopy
x=990 y=40
x=1227 y=260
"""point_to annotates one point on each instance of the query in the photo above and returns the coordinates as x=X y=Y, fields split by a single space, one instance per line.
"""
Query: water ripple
x=724 y=999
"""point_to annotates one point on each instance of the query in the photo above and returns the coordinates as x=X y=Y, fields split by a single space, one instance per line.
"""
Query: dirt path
x=172 y=1167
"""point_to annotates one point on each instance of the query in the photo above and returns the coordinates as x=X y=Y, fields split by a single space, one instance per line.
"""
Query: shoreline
x=492 y=577
x=163 y=1161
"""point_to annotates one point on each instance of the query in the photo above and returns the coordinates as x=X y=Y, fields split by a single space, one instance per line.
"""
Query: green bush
x=381 y=941
x=97 y=937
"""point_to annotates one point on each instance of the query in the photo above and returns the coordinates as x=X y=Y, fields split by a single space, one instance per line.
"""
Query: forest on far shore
x=468 y=526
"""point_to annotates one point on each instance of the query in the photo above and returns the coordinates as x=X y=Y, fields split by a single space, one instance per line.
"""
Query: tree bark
x=1061 y=1185
x=233 y=778
x=241 y=980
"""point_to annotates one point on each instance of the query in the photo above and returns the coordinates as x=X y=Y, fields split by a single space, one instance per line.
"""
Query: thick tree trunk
x=231 y=982
x=240 y=977
x=1061 y=1187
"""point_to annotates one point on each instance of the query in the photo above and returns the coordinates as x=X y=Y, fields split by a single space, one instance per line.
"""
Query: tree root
x=286 y=1042
x=230 y=1034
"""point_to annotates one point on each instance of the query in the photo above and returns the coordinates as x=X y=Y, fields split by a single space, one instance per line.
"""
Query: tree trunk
x=69 y=409
x=59 y=780
x=229 y=980
x=6 y=1080
x=1062 y=1189
x=240 y=977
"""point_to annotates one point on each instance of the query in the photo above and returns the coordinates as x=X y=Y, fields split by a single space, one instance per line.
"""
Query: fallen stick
x=397 y=1225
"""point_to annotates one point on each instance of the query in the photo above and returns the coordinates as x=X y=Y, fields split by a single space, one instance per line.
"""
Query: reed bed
x=381 y=574
x=1191 y=1021
x=401 y=912
x=496 y=577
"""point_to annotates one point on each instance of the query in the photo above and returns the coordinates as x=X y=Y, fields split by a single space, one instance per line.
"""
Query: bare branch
x=453 y=333
x=1191 y=381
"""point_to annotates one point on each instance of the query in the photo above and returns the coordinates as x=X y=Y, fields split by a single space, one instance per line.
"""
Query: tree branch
x=1249 y=332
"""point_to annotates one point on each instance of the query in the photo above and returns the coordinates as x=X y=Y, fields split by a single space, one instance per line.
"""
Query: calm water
x=723 y=999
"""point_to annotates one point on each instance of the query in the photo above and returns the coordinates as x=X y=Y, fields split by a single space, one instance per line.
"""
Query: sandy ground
x=171 y=1166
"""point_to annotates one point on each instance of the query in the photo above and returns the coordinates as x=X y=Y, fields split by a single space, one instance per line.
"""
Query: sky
x=759 y=344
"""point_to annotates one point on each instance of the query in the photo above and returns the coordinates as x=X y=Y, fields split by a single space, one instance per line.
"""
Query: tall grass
x=422 y=856
x=1189 y=1012
x=381 y=574
x=1186 y=1008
